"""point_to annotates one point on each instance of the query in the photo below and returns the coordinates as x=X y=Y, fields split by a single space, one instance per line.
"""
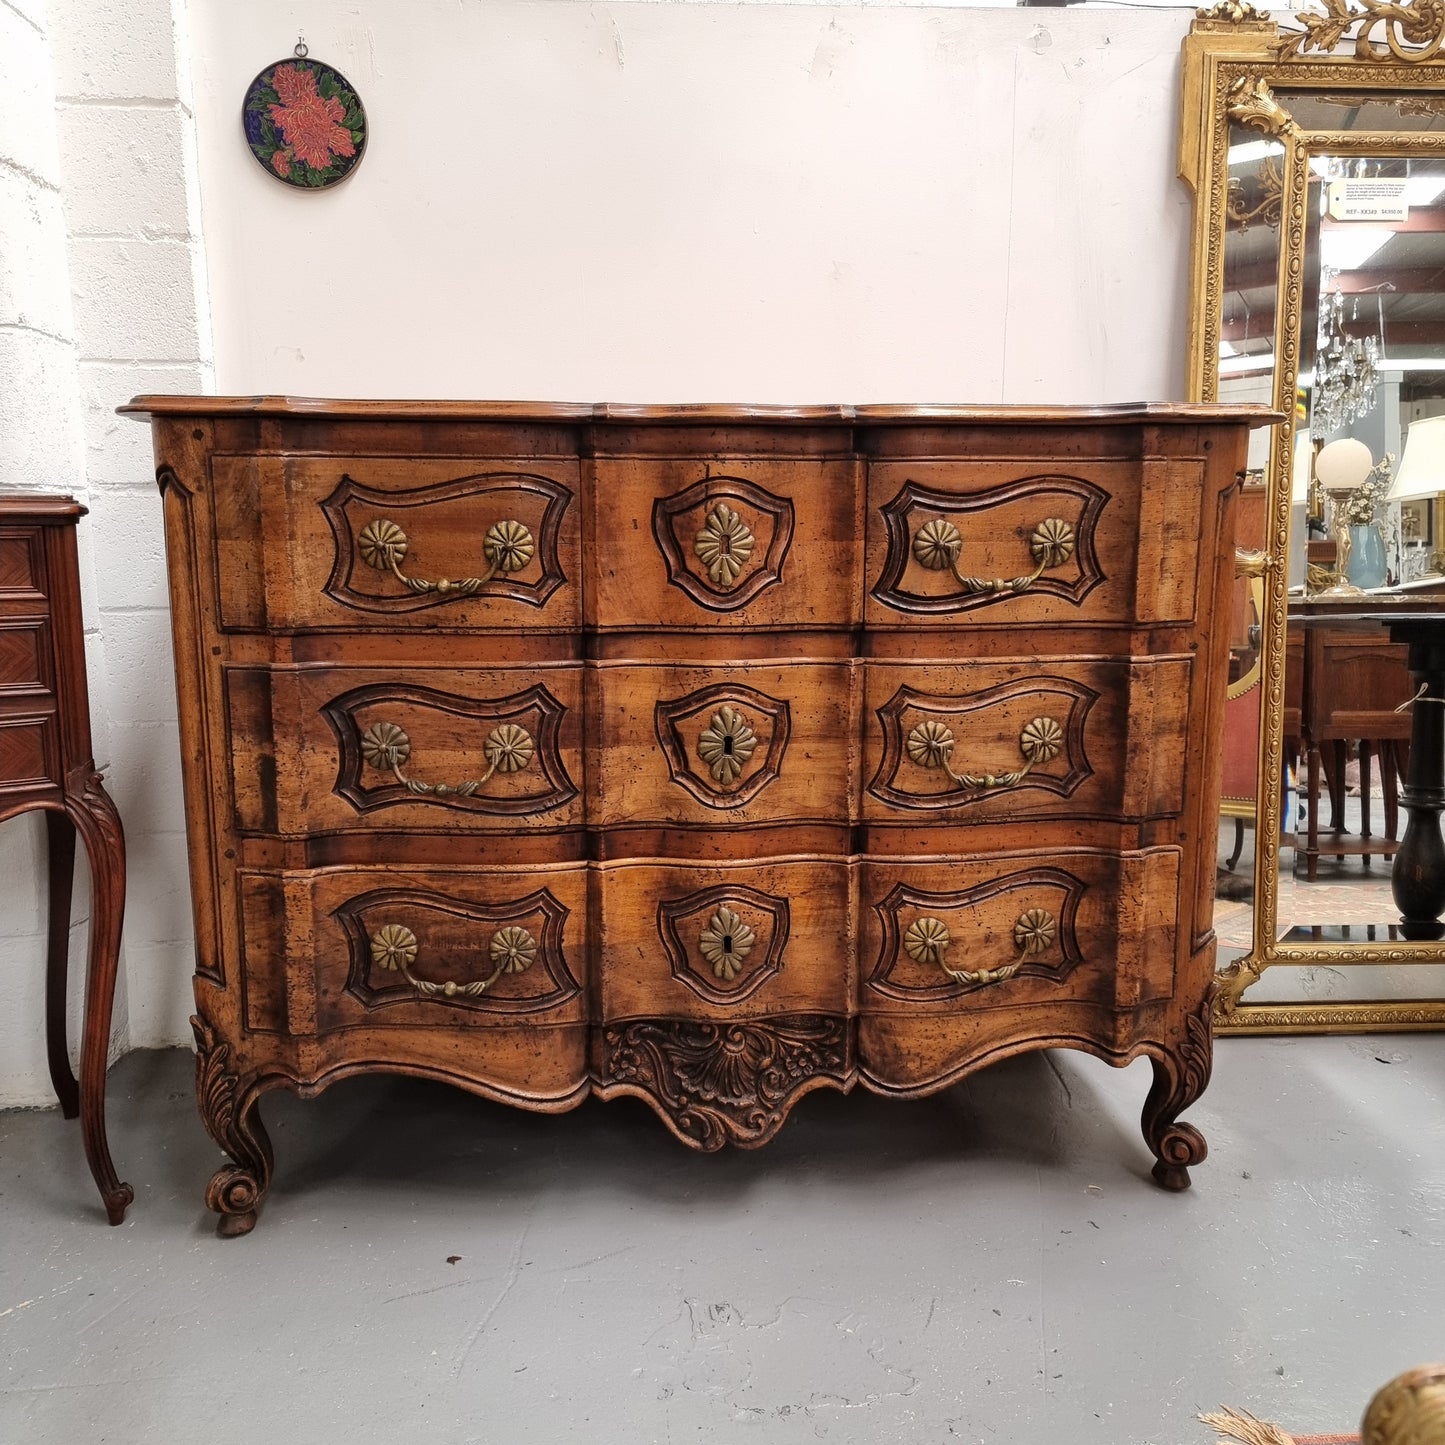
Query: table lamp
x=1422 y=468
x=1341 y=466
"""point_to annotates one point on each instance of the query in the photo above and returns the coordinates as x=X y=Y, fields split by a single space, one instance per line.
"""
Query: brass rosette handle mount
x=931 y=743
x=926 y=940
x=938 y=544
x=508 y=547
x=507 y=749
x=394 y=948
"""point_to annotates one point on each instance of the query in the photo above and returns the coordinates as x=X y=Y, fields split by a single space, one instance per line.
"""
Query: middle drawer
x=320 y=749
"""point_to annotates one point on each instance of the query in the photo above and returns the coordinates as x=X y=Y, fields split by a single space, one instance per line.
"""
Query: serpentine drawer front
x=708 y=755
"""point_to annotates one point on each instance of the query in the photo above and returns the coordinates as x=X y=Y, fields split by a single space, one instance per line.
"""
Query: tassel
x=1241 y=1426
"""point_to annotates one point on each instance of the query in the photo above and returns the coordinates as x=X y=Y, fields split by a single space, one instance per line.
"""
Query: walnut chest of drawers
x=707 y=754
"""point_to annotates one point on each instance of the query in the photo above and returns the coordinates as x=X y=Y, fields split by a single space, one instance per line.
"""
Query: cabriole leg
x=237 y=1190
x=1180 y=1077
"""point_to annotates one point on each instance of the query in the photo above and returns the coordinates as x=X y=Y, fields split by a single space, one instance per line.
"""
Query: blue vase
x=1366 y=564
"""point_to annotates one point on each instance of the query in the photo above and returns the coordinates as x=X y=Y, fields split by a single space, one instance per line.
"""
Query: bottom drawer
x=960 y=934
x=965 y=957
x=732 y=941
x=414 y=948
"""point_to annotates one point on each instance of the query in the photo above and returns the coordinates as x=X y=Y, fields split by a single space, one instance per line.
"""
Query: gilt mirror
x=1316 y=150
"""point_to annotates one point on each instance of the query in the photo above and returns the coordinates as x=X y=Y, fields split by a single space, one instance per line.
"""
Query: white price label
x=1368 y=199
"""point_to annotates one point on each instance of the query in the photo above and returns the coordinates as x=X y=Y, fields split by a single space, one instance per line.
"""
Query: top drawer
x=1032 y=541
x=727 y=541
x=388 y=543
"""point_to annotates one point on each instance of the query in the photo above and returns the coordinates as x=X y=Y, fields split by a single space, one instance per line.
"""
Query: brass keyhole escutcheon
x=724 y=545
x=726 y=744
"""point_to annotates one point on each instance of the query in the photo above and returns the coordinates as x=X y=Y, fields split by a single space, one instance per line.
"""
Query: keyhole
x=727 y=943
x=728 y=746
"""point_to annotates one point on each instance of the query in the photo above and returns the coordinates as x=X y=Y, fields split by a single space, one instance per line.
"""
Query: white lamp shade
x=1342 y=465
x=1422 y=468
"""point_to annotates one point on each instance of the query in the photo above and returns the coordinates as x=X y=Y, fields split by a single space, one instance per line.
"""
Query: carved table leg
x=98 y=824
x=60 y=837
x=1180 y=1077
x=236 y=1191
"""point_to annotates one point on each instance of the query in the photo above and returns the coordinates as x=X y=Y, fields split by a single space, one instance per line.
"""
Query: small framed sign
x=304 y=122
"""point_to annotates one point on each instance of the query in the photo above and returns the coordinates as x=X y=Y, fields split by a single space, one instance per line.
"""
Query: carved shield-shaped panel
x=399 y=743
x=408 y=946
x=947 y=752
x=724 y=943
x=494 y=534
x=723 y=744
x=995 y=538
x=723 y=540
x=1021 y=924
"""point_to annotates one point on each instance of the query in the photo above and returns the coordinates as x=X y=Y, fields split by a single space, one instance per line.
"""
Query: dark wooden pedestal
x=46 y=762
x=1418 y=877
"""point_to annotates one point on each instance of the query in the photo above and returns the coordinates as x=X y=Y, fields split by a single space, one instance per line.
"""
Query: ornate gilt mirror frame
x=1237 y=65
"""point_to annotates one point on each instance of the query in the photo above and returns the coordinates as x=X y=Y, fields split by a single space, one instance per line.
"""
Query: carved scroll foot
x=1180 y=1077
x=237 y=1190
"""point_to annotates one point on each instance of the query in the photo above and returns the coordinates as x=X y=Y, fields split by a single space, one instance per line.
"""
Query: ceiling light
x=1348 y=247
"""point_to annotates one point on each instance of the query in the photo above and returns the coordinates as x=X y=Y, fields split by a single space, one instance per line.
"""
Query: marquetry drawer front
x=1029 y=541
x=961 y=742
x=29 y=748
x=25 y=658
x=729 y=942
x=405 y=947
x=22 y=569
x=387 y=543
x=716 y=746
x=956 y=935
x=319 y=749
x=731 y=542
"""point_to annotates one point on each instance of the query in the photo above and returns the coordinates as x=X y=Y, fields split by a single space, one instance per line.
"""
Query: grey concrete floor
x=989 y=1265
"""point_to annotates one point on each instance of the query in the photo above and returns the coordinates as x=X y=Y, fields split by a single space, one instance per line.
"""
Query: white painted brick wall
x=40 y=450
x=138 y=286
x=111 y=154
x=34 y=288
x=113 y=49
x=101 y=269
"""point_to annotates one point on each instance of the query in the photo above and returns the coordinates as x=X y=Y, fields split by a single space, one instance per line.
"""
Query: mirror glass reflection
x=1368 y=473
x=1246 y=361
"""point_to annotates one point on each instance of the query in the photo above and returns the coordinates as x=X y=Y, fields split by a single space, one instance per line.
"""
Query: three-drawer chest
x=707 y=754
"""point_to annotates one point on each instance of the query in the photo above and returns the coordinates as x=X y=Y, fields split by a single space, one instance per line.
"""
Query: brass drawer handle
x=394 y=947
x=508 y=547
x=724 y=545
x=938 y=543
x=726 y=744
x=385 y=746
x=930 y=745
x=928 y=939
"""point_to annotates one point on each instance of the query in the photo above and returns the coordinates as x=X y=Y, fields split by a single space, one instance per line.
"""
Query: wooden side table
x=46 y=762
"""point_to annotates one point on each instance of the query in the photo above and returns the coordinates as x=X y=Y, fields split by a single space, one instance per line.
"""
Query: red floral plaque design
x=304 y=122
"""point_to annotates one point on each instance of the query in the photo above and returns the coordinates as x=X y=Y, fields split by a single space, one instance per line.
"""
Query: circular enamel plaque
x=304 y=122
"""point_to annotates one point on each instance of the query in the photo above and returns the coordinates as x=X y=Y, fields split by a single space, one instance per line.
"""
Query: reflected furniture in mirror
x=1315 y=147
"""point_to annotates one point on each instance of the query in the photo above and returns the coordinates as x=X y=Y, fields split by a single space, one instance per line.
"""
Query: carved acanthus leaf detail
x=1412 y=31
x=720 y=1083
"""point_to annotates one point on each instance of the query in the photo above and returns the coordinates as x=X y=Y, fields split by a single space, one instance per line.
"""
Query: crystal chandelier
x=1347 y=368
